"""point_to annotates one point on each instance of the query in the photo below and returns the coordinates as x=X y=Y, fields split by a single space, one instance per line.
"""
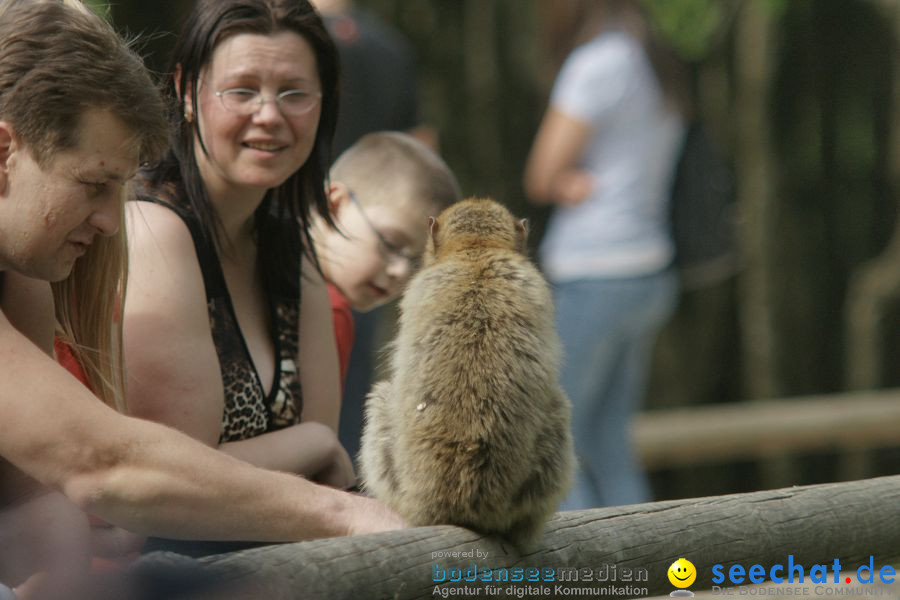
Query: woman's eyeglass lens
x=245 y=101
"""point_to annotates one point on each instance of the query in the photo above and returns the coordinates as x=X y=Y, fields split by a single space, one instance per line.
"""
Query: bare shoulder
x=163 y=267
x=156 y=230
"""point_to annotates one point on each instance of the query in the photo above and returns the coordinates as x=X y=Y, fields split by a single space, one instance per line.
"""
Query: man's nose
x=108 y=215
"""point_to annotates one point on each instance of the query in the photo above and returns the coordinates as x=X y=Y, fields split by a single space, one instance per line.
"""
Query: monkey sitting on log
x=472 y=427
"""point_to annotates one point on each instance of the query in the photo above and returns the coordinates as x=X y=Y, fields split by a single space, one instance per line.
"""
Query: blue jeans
x=608 y=328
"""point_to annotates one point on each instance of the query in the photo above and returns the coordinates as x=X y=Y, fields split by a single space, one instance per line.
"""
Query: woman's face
x=260 y=150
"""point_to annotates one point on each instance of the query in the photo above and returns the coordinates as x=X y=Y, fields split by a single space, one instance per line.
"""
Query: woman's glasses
x=245 y=101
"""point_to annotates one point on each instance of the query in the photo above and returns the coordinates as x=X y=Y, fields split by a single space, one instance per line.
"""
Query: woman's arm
x=551 y=173
x=173 y=370
x=319 y=369
x=310 y=449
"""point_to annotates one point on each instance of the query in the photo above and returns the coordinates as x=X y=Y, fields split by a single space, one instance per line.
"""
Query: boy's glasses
x=245 y=101
x=389 y=250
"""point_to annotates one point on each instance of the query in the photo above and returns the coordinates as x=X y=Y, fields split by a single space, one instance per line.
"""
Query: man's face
x=49 y=216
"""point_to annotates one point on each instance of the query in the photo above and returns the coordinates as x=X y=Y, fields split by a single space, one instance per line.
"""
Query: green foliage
x=777 y=7
x=101 y=7
x=689 y=26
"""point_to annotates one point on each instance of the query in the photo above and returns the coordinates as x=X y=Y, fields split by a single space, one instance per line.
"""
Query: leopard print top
x=249 y=411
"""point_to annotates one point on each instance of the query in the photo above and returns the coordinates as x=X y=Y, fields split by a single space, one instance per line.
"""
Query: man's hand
x=113 y=543
x=372 y=516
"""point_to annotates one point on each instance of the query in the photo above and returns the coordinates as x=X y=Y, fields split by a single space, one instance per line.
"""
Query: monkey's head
x=475 y=223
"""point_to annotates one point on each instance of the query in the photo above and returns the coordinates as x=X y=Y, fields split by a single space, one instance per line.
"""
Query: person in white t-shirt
x=604 y=155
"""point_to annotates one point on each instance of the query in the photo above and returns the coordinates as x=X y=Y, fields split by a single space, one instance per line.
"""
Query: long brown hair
x=88 y=313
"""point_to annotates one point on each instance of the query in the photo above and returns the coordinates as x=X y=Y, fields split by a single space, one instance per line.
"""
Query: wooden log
x=815 y=524
x=768 y=428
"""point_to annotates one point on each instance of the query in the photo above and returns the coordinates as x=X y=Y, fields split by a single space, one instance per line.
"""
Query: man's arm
x=149 y=478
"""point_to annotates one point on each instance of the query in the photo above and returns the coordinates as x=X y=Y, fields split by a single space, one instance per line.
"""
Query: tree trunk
x=756 y=197
x=875 y=288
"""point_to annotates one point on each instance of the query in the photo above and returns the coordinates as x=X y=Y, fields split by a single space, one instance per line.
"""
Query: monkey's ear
x=433 y=229
x=521 y=235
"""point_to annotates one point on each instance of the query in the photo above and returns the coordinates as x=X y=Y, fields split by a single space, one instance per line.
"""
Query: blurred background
x=802 y=97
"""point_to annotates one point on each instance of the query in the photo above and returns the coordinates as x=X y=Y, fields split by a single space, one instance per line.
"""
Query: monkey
x=471 y=427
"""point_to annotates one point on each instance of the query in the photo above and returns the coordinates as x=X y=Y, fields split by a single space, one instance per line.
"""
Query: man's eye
x=94 y=187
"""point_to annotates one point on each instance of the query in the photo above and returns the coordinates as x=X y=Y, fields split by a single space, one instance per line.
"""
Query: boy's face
x=379 y=251
x=51 y=214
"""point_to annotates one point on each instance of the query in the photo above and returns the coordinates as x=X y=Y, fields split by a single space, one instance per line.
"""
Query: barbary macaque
x=472 y=427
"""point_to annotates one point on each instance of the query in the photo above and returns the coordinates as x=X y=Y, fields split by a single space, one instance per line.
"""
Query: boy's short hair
x=389 y=168
x=58 y=60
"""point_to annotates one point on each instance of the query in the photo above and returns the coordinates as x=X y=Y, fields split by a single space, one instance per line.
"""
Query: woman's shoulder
x=164 y=276
x=157 y=212
x=158 y=224
x=602 y=75
x=608 y=52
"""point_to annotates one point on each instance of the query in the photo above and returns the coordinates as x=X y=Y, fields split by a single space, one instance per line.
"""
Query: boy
x=382 y=191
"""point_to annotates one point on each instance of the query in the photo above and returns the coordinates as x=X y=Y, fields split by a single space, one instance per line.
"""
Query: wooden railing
x=851 y=424
x=850 y=522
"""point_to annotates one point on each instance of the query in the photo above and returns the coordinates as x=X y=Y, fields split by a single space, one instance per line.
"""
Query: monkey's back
x=478 y=403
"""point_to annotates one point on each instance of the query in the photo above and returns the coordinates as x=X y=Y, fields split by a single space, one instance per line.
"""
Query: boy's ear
x=338 y=196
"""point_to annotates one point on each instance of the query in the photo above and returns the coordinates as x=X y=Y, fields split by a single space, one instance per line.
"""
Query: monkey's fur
x=472 y=428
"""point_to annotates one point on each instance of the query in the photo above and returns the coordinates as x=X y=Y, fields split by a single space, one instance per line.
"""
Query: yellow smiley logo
x=682 y=573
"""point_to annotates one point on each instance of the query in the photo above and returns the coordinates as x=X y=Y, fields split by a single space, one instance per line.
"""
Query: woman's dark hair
x=278 y=236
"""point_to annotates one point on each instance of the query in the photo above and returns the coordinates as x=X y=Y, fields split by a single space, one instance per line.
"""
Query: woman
x=213 y=317
x=604 y=155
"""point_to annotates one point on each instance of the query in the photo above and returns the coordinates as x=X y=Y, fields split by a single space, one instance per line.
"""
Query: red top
x=66 y=358
x=343 y=328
